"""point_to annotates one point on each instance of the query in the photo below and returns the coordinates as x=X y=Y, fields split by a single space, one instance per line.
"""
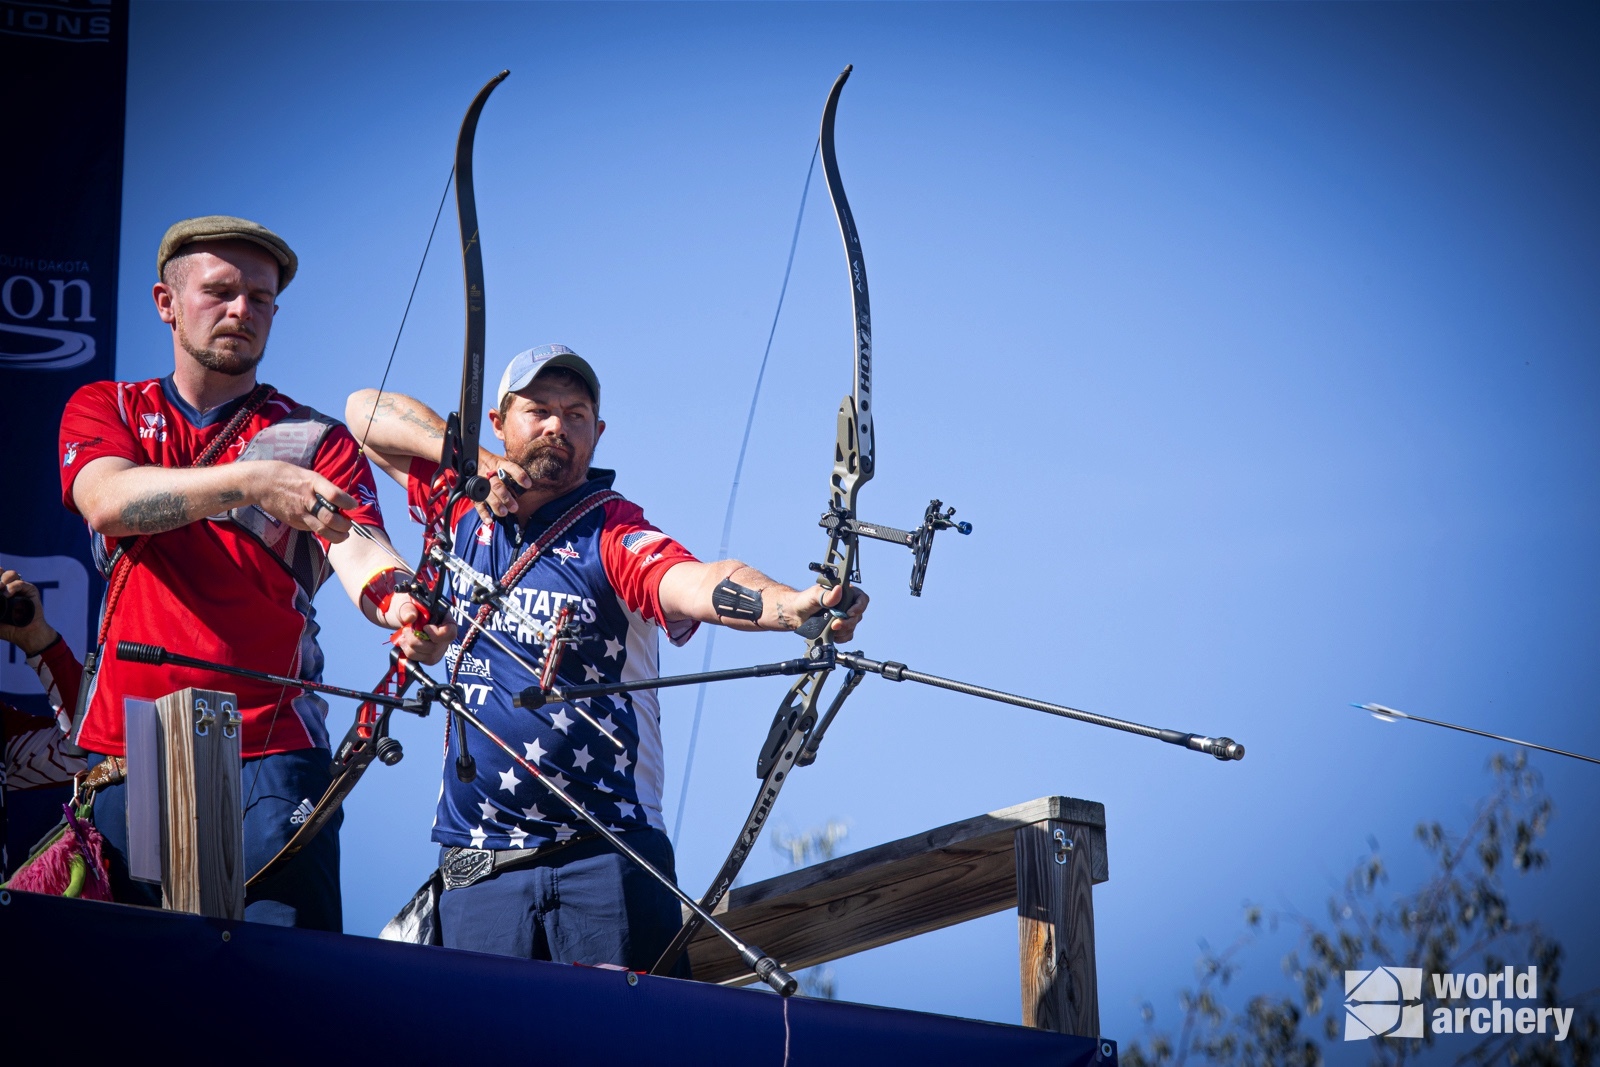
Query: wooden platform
x=1042 y=857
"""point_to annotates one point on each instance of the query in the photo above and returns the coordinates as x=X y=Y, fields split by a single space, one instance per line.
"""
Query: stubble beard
x=233 y=364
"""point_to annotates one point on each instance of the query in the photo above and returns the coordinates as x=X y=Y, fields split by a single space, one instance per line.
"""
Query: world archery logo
x=1385 y=1002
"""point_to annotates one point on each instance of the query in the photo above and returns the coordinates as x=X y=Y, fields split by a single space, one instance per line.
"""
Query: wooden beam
x=202 y=834
x=892 y=891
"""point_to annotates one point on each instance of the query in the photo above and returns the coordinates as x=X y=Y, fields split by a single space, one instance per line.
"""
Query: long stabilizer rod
x=765 y=967
x=1223 y=748
x=1384 y=714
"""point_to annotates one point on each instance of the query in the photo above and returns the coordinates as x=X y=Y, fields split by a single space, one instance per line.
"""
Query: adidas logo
x=301 y=813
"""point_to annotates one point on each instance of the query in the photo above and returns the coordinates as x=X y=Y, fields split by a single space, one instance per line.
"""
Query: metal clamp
x=204 y=720
x=1064 y=846
x=231 y=720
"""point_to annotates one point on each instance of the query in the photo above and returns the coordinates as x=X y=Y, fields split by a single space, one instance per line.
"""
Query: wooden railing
x=1043 y=858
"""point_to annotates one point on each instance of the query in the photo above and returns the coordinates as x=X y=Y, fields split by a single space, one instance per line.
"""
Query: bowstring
x=373 y=414
x=733 y=491
x=322 y=575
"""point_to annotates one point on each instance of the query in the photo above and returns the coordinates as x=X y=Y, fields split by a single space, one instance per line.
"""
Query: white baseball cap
x=528 y=365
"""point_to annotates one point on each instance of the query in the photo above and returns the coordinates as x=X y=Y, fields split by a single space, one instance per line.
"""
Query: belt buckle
x=466 y=866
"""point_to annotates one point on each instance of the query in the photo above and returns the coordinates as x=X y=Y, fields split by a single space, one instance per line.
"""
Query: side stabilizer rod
x=157 y=656
x=534 y=697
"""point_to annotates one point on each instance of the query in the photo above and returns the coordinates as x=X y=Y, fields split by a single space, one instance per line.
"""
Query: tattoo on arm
x=389 y=407
x=417 y=420
x=785 y=617
x=156 y=512
x=229 y=496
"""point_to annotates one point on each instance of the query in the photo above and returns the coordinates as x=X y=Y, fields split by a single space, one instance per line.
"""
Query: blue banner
x=64 y=65
x=63 y=73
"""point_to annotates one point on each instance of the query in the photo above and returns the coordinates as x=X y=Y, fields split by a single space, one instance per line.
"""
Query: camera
x=15 y=610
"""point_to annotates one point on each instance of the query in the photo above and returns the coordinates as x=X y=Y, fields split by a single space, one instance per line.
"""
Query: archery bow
x=368 y=736
x=796 y=729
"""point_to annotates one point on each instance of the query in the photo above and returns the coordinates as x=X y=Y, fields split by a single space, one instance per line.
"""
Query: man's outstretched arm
x=689 y=591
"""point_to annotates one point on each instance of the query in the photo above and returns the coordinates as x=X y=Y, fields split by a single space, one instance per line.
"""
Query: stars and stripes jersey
x=608 y=569
x=210 y=589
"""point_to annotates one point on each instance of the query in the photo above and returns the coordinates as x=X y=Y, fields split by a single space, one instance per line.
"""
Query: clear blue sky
x=1258 y=342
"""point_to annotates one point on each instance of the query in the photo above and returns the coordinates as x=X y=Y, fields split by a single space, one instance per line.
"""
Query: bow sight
x=841 y=524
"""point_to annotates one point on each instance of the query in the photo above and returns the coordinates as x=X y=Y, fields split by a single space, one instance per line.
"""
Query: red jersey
x=210 y=589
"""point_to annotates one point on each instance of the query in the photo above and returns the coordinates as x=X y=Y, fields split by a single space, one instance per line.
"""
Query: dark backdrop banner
x=63 y=77
x=63 y=69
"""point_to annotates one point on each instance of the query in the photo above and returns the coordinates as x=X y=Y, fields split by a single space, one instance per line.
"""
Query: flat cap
x=227 y=228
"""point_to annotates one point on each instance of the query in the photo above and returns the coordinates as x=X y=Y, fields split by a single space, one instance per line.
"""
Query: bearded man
x=208 y=496
x=520 y=875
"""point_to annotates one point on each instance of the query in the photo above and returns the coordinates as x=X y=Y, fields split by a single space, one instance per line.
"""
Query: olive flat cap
x=227 y=228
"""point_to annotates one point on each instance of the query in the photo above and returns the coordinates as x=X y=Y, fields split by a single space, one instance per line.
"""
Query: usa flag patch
x=636 y=541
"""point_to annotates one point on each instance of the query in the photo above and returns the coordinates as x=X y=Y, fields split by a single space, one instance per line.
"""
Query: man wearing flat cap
x=521 y=874
x=218 y=506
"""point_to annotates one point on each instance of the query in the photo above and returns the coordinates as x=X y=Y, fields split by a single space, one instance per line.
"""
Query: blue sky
x=1258 y=342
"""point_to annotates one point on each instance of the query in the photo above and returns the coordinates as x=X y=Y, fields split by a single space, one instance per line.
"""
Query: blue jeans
x=277 y=790
x=586 y=903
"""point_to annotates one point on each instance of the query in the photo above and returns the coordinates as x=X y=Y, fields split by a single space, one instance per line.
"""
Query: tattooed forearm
x=156 y=512
x=229 y=496
x=426 y=424
x=401 y=409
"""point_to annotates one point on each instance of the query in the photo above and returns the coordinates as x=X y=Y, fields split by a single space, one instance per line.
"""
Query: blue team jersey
x=608 y=569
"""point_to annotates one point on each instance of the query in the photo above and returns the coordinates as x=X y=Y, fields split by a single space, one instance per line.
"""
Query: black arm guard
x=734 y=601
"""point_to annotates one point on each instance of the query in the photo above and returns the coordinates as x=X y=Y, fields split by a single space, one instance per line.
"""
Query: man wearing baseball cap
x=208 y=496
x=521 y=876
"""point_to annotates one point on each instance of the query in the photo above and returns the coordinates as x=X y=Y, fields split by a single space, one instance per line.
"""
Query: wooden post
x=202 y=833
x=1056 y=865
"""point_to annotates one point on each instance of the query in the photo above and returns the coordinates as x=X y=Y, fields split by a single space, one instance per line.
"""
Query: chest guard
x=292 y=439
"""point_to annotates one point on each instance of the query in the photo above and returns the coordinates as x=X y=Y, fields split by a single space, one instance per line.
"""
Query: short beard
x=548 y=467
x=227 y=363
